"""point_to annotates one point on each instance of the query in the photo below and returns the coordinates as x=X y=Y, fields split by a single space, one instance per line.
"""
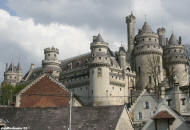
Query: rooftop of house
x=105 y=118
x=163 y=115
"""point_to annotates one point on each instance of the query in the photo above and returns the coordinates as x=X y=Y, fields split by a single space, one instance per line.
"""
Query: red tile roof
x=163 y=115
x=45 y=93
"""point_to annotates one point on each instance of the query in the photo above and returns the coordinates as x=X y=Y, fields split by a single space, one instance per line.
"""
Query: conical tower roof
x=173 y=40
x=18 y=67
x=99 y=38
x=146 y=28
x=11 y=67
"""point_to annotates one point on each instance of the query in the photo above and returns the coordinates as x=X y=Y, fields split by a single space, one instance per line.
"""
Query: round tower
x=10 y=75
x=148 y=58
x=99 y=71
x=130 y=21
x=176 y=61
x=51 y=64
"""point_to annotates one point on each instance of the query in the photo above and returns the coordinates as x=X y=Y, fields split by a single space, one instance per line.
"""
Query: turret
x=51 y=64
x=130 y=21
x=12 y=74
x=162 y=38
x=99 y=71
x=122 y=57
x=148 y=58
x=176 y=61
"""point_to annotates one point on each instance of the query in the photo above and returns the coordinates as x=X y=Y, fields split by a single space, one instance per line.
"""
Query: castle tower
x=12 y=74
x=130 y=21
x=162 y=36
x=51 y=64
x=122 y=57
x=99 y=71
x=148 y=58
x=176 y=61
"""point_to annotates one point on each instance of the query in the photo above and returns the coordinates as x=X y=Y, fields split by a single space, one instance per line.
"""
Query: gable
x=177 y=124
x=45 y=92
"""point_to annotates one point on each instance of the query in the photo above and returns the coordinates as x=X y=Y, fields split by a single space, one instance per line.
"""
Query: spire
x=146 y=28
x=18 y=67
x=11 y=67
x=6 y=68
x=173 y=40
x=99 y=38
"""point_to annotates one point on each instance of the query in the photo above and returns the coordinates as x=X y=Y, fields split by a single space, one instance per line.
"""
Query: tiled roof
x=45 y=92
x=163 y=115
x=83 y=118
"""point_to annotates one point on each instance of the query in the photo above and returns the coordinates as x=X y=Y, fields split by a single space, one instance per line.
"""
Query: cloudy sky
x=29 y=26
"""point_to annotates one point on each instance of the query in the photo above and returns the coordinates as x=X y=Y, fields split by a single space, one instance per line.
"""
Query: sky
x=29 y=26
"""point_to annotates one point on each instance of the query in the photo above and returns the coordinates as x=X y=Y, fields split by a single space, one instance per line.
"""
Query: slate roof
x=173 y=40
x=83 y=118
x=163 y=115
x=32 y=74
x=78 y=61
x=146 y=28
x=99 y=38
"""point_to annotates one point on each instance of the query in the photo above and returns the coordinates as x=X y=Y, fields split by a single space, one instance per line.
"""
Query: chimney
x=32 y=66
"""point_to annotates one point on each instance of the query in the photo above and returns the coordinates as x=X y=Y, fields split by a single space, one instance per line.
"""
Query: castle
x=103 y=77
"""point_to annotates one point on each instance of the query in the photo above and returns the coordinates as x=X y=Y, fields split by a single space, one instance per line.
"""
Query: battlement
x=52 y=49
x=130 y=18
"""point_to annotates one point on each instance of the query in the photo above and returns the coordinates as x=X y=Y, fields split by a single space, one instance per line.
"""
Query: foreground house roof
x=163 y=115
x=84 y=118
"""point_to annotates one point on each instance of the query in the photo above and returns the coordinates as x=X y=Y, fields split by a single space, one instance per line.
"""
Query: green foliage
x=8 y=93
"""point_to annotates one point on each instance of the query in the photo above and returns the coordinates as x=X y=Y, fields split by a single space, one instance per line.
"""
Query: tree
x=7 y=94
x=153 y=68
